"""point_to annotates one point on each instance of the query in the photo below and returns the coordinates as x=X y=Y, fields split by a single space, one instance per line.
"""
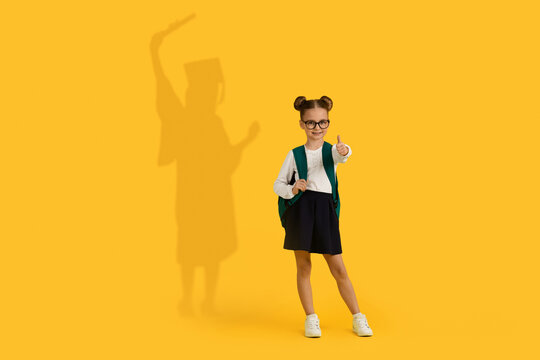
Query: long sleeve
x=338 y=158
x=281 y=185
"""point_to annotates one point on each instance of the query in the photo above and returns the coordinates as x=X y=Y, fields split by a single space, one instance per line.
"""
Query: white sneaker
x=360 y=325
x=311 y=326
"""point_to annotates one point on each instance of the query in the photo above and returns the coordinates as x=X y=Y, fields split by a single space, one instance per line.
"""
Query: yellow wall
x=439 y=213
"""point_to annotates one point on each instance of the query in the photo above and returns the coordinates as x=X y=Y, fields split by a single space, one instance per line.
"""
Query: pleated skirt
x=311 y=224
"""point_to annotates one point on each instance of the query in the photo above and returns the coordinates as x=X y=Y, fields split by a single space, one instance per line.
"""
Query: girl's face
x=316 y=114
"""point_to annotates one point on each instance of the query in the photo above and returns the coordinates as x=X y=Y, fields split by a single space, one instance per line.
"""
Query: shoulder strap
x=301 y=161
x=301 y=164
x=328 y=162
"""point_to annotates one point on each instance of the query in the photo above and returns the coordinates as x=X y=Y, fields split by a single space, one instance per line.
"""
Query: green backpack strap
x=300 y=159
x=328 y=162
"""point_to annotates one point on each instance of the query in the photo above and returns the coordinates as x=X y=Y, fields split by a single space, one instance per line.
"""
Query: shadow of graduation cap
x=206 y=71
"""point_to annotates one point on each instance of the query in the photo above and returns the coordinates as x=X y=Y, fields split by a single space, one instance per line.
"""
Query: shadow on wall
x=193 y=136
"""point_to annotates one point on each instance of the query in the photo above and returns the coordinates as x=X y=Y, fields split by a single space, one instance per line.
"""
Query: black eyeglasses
x=310 y=124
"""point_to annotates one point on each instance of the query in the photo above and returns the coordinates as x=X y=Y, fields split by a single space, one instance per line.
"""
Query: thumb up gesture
x=341 y=148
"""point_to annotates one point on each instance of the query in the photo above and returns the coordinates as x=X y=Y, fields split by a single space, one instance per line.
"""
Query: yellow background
x=439 y=214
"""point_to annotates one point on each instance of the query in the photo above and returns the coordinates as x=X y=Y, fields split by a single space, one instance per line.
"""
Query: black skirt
x=311 y=224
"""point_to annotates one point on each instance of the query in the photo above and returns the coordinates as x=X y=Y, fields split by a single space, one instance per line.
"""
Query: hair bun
x=328 y=101
x=299 y=102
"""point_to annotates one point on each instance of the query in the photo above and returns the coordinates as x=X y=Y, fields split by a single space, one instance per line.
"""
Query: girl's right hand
x=301 y=184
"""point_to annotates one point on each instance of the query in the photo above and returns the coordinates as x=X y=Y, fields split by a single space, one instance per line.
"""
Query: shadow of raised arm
x=168 y=105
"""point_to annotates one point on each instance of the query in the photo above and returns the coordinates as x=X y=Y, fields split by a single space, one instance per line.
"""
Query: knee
x=340 y=273
x=304 y=268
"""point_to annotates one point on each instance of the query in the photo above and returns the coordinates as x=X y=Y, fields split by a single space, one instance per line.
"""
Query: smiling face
x=316 y=114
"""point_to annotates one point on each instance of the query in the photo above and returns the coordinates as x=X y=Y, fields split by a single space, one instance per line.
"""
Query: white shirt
x=316 y=177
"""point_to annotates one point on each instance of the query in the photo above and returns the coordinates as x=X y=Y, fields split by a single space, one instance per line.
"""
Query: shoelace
x=362 y=322
x=313 y=323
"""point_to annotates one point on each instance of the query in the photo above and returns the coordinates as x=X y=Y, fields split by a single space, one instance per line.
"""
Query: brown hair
x=301 y=104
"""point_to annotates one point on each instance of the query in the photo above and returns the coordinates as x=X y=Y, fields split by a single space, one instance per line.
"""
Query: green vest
x=301 y=164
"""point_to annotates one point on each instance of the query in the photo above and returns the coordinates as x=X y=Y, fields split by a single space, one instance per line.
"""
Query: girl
x=309 y=209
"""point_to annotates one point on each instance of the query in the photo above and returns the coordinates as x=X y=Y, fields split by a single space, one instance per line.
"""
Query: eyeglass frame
x=316 y=123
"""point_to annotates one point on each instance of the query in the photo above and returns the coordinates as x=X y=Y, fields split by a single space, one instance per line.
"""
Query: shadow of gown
x=205 y=216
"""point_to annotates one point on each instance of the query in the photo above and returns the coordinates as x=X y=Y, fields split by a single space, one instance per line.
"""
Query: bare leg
x=303 y=274
x=337 y=268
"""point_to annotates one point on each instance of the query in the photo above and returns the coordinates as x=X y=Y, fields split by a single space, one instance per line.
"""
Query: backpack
x=301 y=164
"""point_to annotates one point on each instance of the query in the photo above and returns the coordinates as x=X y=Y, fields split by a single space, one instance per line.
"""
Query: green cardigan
x=301 y=164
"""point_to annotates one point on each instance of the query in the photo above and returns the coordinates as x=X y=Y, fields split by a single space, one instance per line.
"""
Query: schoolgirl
x=309 y=206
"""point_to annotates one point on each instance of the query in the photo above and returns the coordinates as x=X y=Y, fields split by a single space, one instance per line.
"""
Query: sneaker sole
x=365 y=335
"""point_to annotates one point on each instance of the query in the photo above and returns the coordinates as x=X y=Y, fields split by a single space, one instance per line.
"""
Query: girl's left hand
x=341 y=148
